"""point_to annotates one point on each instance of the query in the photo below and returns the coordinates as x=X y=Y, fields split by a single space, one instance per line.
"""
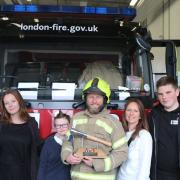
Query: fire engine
x=49 y=52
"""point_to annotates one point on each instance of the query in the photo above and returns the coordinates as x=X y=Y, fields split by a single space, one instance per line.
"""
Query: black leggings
x=167 y=176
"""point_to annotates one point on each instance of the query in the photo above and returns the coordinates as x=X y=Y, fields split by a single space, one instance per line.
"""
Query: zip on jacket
x=155 y=147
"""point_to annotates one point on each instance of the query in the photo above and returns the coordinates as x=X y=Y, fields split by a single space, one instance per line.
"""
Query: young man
x=164 y=125
x=95 y=121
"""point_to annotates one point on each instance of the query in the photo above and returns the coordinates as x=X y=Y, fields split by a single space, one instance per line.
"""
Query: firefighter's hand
x=73 y=159
x=88 y=161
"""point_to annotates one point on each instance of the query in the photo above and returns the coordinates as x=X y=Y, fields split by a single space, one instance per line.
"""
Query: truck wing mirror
x=143 y=41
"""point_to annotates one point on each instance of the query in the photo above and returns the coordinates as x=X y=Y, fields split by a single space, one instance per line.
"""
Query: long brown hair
x=142 y=124
x=23 y=114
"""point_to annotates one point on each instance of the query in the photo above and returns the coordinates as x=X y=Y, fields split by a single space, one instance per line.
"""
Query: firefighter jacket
x=106 y=127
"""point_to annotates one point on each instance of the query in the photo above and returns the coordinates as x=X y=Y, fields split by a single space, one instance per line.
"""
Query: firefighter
x=96 y=121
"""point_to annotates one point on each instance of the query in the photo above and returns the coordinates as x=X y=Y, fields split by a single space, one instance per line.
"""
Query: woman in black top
x=19 y=139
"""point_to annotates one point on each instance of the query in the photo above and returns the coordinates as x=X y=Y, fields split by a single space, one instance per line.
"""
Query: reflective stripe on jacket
x=89 y=176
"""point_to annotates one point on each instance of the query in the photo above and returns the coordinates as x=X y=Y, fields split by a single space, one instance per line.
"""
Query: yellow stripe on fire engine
x=119 y=143
x=89 y=176
x=104 y=125
x=107 y=164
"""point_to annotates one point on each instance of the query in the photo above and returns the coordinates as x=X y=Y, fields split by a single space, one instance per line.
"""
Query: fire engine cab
x=48 y=53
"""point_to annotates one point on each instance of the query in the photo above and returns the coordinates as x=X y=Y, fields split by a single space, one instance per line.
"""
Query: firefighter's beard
x=95 y=109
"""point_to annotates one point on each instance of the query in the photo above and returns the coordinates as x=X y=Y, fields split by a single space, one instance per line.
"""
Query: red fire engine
x=49 y=52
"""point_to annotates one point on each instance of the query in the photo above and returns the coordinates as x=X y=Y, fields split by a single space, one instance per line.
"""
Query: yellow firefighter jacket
x=106 y=127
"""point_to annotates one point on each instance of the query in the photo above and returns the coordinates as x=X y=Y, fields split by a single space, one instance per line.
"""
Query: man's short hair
x=166 y=80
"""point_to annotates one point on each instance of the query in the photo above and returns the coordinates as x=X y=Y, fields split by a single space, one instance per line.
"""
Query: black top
x=15 y=151
x=19 y=145
x=51 y=166
x=168 y=143
x=165 y=130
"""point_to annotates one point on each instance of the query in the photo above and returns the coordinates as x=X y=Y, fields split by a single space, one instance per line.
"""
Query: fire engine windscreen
x=103 y=69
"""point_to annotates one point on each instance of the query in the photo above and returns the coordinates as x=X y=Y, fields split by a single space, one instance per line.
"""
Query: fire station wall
x=162 y=19
x=166 y=26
